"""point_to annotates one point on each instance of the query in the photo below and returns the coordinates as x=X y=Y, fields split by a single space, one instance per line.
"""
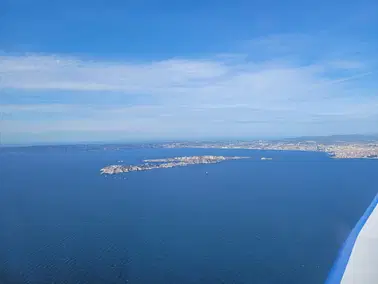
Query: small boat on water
x=266 y=159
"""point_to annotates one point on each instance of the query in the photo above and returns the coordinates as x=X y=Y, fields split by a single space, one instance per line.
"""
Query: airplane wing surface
x=358 y=259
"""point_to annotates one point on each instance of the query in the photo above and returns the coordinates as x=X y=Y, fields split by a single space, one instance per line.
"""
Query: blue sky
x=155 y=70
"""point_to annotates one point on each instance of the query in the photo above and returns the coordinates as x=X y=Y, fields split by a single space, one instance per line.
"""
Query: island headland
x=150 y=164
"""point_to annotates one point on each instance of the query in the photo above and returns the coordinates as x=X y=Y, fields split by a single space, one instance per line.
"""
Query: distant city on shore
x=337 y=146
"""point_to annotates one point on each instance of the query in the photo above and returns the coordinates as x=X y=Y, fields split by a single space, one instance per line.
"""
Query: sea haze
x=246 y=221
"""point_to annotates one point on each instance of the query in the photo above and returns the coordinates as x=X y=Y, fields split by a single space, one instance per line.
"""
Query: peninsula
x=337 y=147
x=151 y=164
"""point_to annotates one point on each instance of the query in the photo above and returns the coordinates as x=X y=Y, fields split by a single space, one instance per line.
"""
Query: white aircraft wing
x=358 y=259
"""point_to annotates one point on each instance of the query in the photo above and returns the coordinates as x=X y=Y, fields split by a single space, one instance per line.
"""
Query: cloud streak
x=235 y=93
x=66 y=73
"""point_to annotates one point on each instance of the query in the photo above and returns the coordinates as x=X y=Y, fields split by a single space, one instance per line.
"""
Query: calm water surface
x=246 y=221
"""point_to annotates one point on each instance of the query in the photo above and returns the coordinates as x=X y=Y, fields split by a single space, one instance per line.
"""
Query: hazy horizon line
x=178 y=140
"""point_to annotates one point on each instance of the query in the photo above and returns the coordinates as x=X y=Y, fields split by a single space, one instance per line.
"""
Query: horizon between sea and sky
x=156 y=70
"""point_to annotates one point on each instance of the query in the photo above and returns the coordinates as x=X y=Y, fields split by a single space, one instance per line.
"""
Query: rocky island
x=151 y=164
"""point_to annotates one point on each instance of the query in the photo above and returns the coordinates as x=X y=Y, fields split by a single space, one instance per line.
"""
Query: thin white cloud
x=195 y=94
x=64 y=73
x=346 y=64
x=58 y=108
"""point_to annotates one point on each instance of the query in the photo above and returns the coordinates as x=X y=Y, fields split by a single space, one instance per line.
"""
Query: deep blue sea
x=246 y=221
